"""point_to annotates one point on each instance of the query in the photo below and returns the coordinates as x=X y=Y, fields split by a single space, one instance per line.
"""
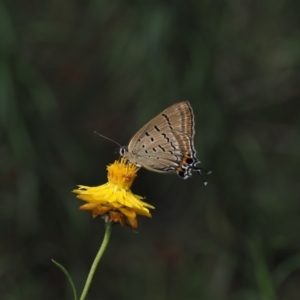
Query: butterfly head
x=132 y=158
x=126 y=154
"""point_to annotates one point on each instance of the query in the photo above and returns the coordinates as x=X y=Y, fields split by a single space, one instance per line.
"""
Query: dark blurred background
x=69 y=67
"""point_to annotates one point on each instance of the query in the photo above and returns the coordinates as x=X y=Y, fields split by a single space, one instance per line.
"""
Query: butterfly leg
x=138 y=167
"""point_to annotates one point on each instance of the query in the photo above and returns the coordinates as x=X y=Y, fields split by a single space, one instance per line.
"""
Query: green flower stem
x=96 y=260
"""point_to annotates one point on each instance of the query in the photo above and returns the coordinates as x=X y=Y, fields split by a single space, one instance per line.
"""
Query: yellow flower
x=114 y=199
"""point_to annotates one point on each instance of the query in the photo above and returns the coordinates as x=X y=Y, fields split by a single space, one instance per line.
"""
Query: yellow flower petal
x=128 y=212
x=115 y=198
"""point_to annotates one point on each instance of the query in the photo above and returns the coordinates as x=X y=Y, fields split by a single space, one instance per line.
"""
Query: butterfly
x=165 y=144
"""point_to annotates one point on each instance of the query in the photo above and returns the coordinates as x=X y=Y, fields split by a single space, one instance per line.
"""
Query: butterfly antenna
x=107 y=138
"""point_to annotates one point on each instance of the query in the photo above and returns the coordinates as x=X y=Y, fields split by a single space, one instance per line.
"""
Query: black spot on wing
x=162 y=148
x=189 y=161
x=181 y=173
x=173 y=146
x=165 y=137
x=168 y=121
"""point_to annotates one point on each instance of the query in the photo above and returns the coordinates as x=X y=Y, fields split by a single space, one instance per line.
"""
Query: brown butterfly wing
x=163 y=143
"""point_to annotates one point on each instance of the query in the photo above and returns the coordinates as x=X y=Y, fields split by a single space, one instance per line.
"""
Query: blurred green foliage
x=68 y=68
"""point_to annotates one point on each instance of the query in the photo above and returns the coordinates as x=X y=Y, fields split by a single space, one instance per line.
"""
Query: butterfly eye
x=122 y=150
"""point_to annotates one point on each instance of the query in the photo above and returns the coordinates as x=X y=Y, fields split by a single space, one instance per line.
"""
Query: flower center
x=122 y=174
